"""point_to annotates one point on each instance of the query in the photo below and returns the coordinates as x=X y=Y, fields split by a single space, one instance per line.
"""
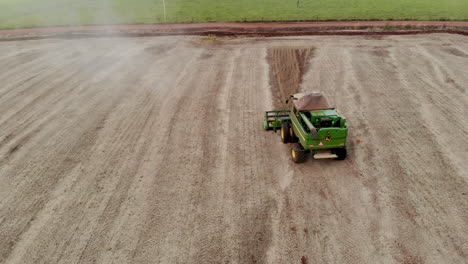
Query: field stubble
x=152 y=150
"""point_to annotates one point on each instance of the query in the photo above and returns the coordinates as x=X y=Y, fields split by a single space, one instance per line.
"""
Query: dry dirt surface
x=247 y=26
x=257 y=29
x=151 y=150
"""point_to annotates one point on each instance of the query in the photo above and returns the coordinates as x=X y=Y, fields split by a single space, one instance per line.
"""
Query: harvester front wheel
x=285 y=136
x=298 y=154
x=341 y=153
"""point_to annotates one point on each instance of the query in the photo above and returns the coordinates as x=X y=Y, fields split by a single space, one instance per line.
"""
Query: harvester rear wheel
x=293 y=138
x=298 y=154
x=285 y=136
x=341 y=153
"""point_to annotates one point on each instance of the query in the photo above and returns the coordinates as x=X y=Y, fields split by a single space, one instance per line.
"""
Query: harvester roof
x=311 y=102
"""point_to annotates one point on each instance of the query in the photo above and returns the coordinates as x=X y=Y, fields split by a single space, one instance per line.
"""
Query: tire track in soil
x=405 y=166
x=190 y=99
x=391 y=109
x=33 y=123
x=121 y=183
x=331 y=184
x=256 y=203
x=287 y=66
x=75 y=153
x=42 y=115
x=130 y=212
x=52 y=68
x=445 y=108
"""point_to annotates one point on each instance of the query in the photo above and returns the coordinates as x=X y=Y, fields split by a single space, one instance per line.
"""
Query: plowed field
x=151 y=150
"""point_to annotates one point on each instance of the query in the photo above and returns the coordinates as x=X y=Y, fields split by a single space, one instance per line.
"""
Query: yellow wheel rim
x=282 y=133
x=293 y=152
x=291 y=131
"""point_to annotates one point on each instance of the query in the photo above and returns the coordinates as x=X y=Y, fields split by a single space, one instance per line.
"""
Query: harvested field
x=151 y=150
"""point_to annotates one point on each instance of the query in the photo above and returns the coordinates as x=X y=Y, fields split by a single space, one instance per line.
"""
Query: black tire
x=298 y=154
x=285 y=136
x=341 y=153
x=292 y=135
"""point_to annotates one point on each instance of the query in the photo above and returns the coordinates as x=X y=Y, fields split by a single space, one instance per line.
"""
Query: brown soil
x=270 y=29
x=287 y=67
x=252 y=26
x=151 y=150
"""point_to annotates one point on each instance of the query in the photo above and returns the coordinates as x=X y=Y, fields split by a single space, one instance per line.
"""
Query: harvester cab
x=310 y=125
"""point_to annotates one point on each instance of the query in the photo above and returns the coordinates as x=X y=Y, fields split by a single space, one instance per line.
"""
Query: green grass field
x=34 y=13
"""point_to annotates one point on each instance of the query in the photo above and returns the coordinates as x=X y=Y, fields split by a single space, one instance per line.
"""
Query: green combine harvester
x=310 y=126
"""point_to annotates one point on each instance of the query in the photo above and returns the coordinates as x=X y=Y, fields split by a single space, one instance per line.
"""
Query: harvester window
x=325 y=122
x=337 y=122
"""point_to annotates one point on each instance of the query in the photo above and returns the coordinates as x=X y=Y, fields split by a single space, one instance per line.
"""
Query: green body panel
x=327 y=138
x=306 y=126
